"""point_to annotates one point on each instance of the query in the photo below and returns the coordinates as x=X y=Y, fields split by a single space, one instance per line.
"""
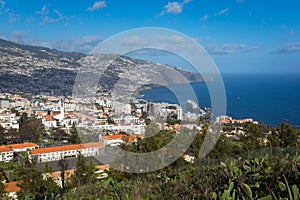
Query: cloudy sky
x=242 y=36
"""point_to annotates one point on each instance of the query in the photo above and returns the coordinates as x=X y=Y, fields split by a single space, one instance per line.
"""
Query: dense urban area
x=49 y=145
x=53 y=144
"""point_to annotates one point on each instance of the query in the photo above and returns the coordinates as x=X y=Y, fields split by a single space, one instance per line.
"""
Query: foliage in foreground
x=270 y=173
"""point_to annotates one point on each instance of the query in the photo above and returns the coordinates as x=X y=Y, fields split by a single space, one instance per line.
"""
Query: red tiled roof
x=103 y=167
x=70 y=172
x=11 y=187
x=23 y=145
x=4 y=148
x=128 y=138
x=49 y=118
x=66 y=148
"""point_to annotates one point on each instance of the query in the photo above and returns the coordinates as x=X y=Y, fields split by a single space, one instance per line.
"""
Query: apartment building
x=6 y=154
x=68 y=151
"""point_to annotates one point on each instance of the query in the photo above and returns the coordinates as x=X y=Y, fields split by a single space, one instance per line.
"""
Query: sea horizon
x=269 y=98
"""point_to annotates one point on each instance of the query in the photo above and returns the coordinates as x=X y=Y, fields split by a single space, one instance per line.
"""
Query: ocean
x=271 y=99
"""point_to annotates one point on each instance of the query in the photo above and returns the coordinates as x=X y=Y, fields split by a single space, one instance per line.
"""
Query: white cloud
x=288 y=49
x=202 y=39
x=46 y=19
x=12 y=17
x=97 y=5
x=83 y=45
x=49 y=16
x=165 y=42
x=174 y=7
x=2 y=3
x=222 y=12
x=44 y=11
x=20 y=37
x=229 y=48
x=204 y=18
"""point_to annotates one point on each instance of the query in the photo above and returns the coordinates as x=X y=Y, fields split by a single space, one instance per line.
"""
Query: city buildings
x=67 y=151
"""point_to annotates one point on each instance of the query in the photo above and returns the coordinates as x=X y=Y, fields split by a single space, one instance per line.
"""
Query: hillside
x=35 y=70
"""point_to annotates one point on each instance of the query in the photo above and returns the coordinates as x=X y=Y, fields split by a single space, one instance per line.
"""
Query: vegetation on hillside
x=235 y=169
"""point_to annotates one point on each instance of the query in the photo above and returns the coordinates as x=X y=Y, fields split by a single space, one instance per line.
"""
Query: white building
x=132 y=129
x=9 y=120
x=127 y=120
x=60 y=117
x=6 y=154
x=23 y=147
x=179 y=113
x=49 y=122
x=4 y=104
x=115 y=140
x=61 y=152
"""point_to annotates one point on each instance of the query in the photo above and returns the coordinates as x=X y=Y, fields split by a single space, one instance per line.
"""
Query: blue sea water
x=271 y=99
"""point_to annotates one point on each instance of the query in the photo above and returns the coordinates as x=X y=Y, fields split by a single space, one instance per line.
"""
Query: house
x=57 y=176
x=6 y=153
x=23 y=147
x=9 y=121
x=11 y=189
x=49 y=121
x=115 y=140
x=67 y=151
x=130 y=128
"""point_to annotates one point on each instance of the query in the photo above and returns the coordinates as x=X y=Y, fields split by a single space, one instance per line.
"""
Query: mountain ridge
x=36 y=70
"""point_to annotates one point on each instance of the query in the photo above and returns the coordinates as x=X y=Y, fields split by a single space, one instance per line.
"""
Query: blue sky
x=242 y=36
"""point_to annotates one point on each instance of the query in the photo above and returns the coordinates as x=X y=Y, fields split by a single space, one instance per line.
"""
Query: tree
x=84 y=173
x=79 y=177
x=63 y=164
x=13 y=110
x=32 y=183
x=74 y=136
x=24 y=117
x=251 y=140
x=30 y=129
x=2 y=188
x=287 y=135
x=2 y=140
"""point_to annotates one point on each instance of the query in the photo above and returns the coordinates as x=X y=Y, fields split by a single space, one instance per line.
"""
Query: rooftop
x=66 y=148
x=23 y=145
x=70 y=163
x=128 y=138
x=11 y=187
x=4 y=148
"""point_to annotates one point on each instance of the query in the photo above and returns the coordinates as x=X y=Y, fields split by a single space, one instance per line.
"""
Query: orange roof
x=11 y=187
x=103 y=167
x=128 y=138
x=4 y=148
x=66 y=148
x=49 y=118
x=70 y=172
x=23 y=145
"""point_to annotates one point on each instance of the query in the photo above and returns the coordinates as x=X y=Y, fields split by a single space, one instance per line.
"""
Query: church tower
x=62 y=110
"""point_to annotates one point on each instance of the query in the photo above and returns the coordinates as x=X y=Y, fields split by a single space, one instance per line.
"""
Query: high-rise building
x=179 y=113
